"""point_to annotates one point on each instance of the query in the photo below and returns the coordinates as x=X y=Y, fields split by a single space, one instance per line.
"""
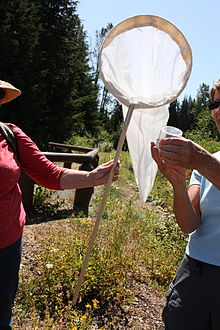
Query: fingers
x=170 y=155
x=115 y=178
x=116 y=171
x=103 y=171
x=117 y=167
x=175 y=150
x=156 y=155
x=109 y=165
x=154 y=150
x=170 y=161
x=176 y=141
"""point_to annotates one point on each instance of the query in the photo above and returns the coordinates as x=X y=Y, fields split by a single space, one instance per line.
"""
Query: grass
x=135 y=240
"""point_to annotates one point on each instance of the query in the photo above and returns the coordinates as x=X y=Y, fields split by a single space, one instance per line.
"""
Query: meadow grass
x=135 y=241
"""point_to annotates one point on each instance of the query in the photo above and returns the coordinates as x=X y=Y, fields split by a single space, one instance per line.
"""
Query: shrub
x=42 y=203
x=86 y=141
x=204 y=140
x=105 y=146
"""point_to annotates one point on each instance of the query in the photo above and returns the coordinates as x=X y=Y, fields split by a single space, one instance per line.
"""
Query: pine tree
x=107 y=101
x=45 y=54
x=203 y=120
x=195 y=115
x=185 y=114
x=173 y=114
x=202 y=100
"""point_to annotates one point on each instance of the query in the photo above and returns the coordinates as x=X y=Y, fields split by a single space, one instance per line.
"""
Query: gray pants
x=193 y=298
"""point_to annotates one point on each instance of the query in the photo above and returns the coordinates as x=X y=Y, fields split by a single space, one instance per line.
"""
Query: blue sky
x=199 y=21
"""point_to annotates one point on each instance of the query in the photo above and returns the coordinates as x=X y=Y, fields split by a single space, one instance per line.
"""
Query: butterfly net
x=145 y=61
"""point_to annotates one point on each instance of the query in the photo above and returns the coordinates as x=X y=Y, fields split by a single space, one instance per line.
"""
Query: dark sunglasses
x=2 y=93
x=214 y=105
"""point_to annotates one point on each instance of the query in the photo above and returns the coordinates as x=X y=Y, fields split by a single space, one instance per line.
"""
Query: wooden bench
x=88 y=158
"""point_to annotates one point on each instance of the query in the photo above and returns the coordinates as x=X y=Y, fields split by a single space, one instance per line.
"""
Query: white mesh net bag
x=145 y=61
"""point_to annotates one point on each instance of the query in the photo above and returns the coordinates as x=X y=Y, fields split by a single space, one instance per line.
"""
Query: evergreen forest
x=45 y=53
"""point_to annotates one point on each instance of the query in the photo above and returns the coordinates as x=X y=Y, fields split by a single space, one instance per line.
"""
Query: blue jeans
x=10 y=258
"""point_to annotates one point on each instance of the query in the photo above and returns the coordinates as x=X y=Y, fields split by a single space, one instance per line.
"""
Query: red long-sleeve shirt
x=37 y=166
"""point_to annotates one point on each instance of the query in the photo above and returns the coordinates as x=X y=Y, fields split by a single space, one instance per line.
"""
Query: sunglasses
x=2 y=93
x=214 y=105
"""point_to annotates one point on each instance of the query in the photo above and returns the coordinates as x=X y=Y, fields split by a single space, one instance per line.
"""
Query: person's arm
x=185 y=204
x=186 y=207
x=188 y=154
x=73 y=179
x=48 y=175
x=209 y=167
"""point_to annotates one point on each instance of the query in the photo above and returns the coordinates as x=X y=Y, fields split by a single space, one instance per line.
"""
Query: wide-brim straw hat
x=10 y=92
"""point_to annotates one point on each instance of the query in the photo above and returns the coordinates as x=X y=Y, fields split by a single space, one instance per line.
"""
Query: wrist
x=202 y=159
x=179 y=188
x=90 y=178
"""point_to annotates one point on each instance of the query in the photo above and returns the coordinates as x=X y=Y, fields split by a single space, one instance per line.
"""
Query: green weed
x=42 y=202
x=135 y=241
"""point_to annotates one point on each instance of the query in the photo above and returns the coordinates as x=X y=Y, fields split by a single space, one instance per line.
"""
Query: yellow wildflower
x=83 y=318
x=95 y=303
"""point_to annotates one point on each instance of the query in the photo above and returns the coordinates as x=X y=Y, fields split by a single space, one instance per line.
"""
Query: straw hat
x=10 y=92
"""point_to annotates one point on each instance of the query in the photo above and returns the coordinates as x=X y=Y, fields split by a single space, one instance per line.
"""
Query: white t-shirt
x=204 y=242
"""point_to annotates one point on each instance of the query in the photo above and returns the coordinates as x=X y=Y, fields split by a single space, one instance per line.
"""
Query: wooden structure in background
x=87 y=157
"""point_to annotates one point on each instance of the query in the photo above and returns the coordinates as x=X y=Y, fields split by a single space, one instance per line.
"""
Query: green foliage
x=106 y=99
x=135 y=241
x=48 y=291
x=103 y=141
x=82 y=141
x=40 y=195
x=162 y=193
x=193 y=115
x=42 y=202
x=44 y=53
x=202 y=99
x=105 y=146
x=163 y=246
x=185 y=115
x=174 y=109
x=204 y=139
x=206 y=125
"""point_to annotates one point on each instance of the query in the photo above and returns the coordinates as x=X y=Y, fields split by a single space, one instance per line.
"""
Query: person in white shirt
x=193 y=298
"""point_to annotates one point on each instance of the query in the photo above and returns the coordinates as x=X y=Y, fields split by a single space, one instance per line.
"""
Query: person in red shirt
x=12 y=214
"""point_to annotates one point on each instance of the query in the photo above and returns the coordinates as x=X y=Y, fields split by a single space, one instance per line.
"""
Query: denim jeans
x=10 y=258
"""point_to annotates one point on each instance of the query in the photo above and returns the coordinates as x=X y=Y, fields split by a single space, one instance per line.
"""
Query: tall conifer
x=45 y=54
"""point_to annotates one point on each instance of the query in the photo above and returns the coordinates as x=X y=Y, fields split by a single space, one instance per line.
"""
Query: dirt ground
x=142 y=312
x=144 y=309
